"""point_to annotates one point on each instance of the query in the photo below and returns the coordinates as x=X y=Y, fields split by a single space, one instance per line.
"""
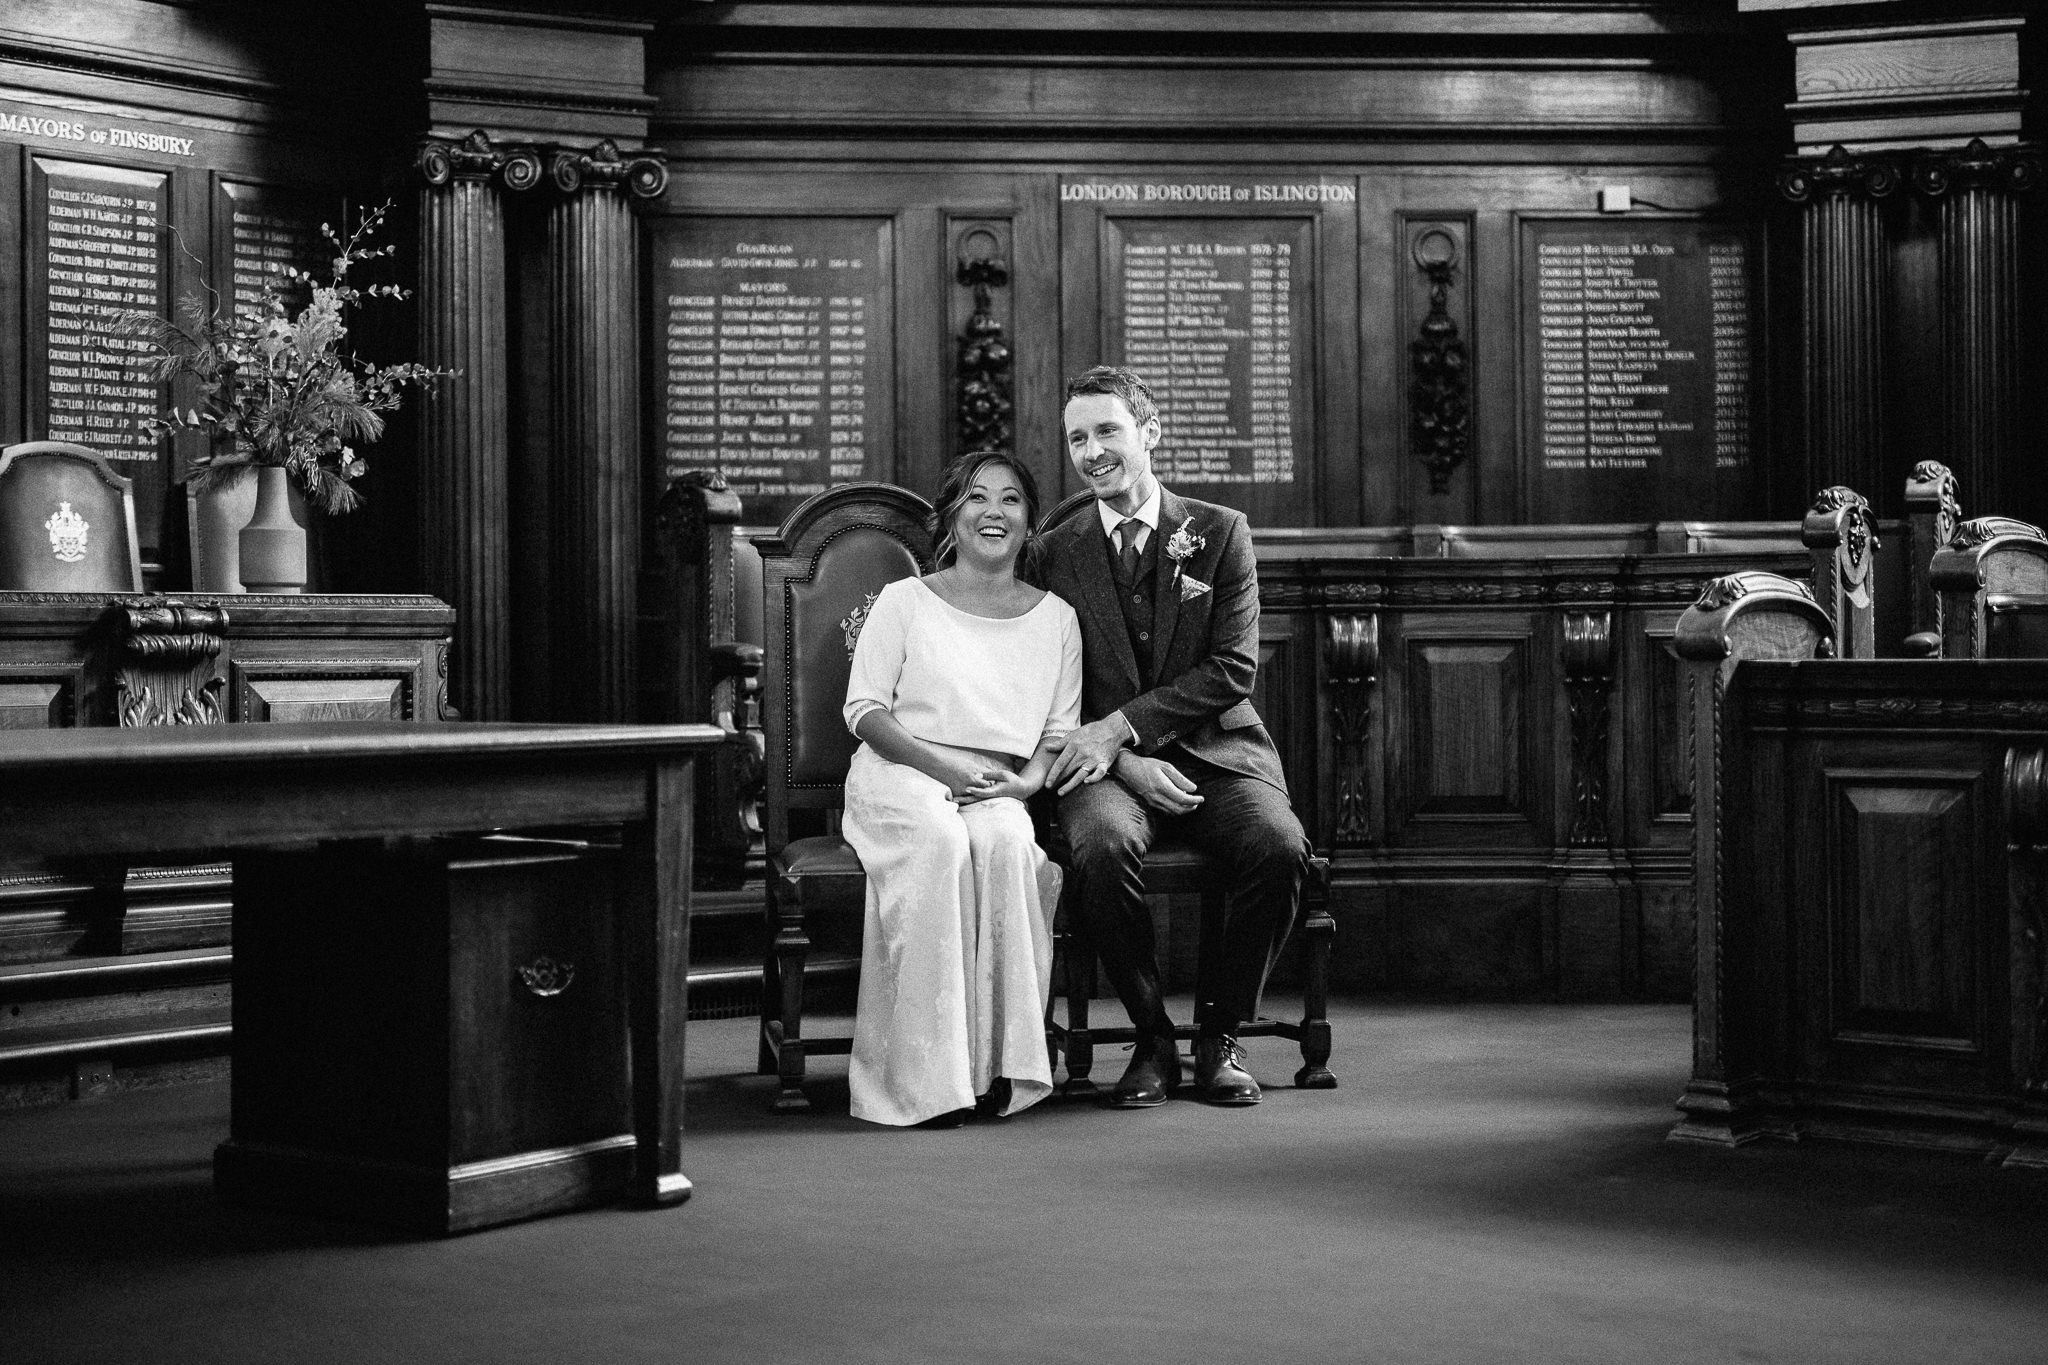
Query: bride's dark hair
x=954 y=486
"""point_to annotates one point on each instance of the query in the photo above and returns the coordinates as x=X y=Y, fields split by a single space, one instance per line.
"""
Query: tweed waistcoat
x=1134 y=596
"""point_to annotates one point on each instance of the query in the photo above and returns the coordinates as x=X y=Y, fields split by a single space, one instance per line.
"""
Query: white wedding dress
x=956 y=959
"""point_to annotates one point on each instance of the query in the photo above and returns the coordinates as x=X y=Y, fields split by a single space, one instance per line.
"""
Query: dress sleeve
x=1066 y=696
x=877 y=658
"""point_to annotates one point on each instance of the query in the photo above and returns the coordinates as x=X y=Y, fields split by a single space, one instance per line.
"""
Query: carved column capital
x=517 y=167
x=2014 y=169
x=1840 y=174
x=642 y=175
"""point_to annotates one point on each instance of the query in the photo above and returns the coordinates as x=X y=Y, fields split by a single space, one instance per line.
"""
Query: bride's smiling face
x=989 y=528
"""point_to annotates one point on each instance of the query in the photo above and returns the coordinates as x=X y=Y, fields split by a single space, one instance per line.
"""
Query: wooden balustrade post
x=1841 y=535
x=1742 y=616
x=1933 y=511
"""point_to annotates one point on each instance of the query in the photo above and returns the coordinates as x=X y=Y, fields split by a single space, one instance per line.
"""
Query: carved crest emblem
x=857 y=618
x=67 y=534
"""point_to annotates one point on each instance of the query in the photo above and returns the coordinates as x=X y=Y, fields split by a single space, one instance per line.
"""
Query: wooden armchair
x=67 y=521
x=820 y=572
x=1175 y=868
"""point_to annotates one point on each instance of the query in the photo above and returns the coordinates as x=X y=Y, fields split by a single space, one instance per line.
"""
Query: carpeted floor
x=1490 y=1185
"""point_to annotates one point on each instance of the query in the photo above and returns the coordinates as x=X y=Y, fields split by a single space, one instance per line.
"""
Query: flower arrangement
x=276 y=387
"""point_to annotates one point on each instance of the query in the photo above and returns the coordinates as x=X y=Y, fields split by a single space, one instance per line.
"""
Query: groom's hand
x=1088 y=753
x=1157 y=783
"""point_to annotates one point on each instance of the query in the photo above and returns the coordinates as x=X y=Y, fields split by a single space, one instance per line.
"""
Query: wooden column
x=463 y=477
x=594 y=478
x=1844 y=316
x=1978 y=190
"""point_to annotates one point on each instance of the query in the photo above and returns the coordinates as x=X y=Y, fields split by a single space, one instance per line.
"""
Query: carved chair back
x=1992 y=582
x=820 y=573
x=1934 y=510
x=1840 y=533
x=67 y=521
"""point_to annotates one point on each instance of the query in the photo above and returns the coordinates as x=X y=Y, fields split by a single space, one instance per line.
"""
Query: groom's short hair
x=1118 y=382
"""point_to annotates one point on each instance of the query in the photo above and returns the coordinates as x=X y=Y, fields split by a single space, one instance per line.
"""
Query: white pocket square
x=1191 y=587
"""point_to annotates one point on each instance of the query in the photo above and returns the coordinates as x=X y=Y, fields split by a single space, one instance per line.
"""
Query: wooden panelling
x=1152 y=96
x=1464 y=717
x=1466 y=700
x=1471 y=830
x=1905 y=875
x=1285 y=696
x=267 y=695
x=1477 y=937
x=39 y=697
x=1668 y=765
x=1871 y=932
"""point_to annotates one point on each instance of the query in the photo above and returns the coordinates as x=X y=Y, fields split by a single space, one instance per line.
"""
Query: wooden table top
x=337 y=741
x=209 y=788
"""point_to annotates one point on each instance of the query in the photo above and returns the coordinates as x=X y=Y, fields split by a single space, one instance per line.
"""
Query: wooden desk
x=226 y=790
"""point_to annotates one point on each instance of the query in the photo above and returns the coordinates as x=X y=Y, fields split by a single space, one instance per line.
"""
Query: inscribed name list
x=775 y=361
x=99 y=253
x=1644 y=351
x=1211 y=318
x=268 y=230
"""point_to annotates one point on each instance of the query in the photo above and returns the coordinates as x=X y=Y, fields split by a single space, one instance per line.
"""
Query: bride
x=963 y=684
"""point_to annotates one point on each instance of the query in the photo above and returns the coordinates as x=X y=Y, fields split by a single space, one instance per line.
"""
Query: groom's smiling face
x=1111 y=451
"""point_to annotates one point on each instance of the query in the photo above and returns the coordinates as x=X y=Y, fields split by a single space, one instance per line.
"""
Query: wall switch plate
x=1614 y=199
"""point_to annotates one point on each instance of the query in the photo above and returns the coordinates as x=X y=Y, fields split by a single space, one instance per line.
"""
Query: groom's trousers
x=1244 y=824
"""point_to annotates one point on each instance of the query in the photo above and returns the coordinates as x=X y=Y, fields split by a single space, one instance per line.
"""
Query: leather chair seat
x=824 y=855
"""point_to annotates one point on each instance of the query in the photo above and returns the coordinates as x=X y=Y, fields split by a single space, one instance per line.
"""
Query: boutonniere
x=1181 y=547
x=1191 y=586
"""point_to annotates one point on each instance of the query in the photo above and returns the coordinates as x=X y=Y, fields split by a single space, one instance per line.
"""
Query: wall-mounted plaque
x=1214 y=314
x=96 y=248
x=1637 y=371
x=775 y=357
x=258 y=232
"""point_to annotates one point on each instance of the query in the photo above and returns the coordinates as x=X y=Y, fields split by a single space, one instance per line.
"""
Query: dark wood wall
x=1479 y=127
x=205 y=113
x=1050 y=137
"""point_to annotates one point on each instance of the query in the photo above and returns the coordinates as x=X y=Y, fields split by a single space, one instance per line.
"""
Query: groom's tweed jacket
x=1205 y=645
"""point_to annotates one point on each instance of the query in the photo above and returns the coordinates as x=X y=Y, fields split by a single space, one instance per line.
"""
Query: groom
x=1168 y=597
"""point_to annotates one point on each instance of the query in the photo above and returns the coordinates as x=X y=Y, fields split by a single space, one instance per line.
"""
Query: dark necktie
x=1127 y=545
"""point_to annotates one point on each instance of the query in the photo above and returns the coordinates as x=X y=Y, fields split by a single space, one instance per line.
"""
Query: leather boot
x=1154 y=1073
x=1219 y=1072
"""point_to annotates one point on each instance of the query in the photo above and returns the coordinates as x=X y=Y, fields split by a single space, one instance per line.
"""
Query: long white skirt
x=956 y=962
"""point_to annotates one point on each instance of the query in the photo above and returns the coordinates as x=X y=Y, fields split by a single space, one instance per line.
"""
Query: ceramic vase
x=273 y=544
x=218 y=516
